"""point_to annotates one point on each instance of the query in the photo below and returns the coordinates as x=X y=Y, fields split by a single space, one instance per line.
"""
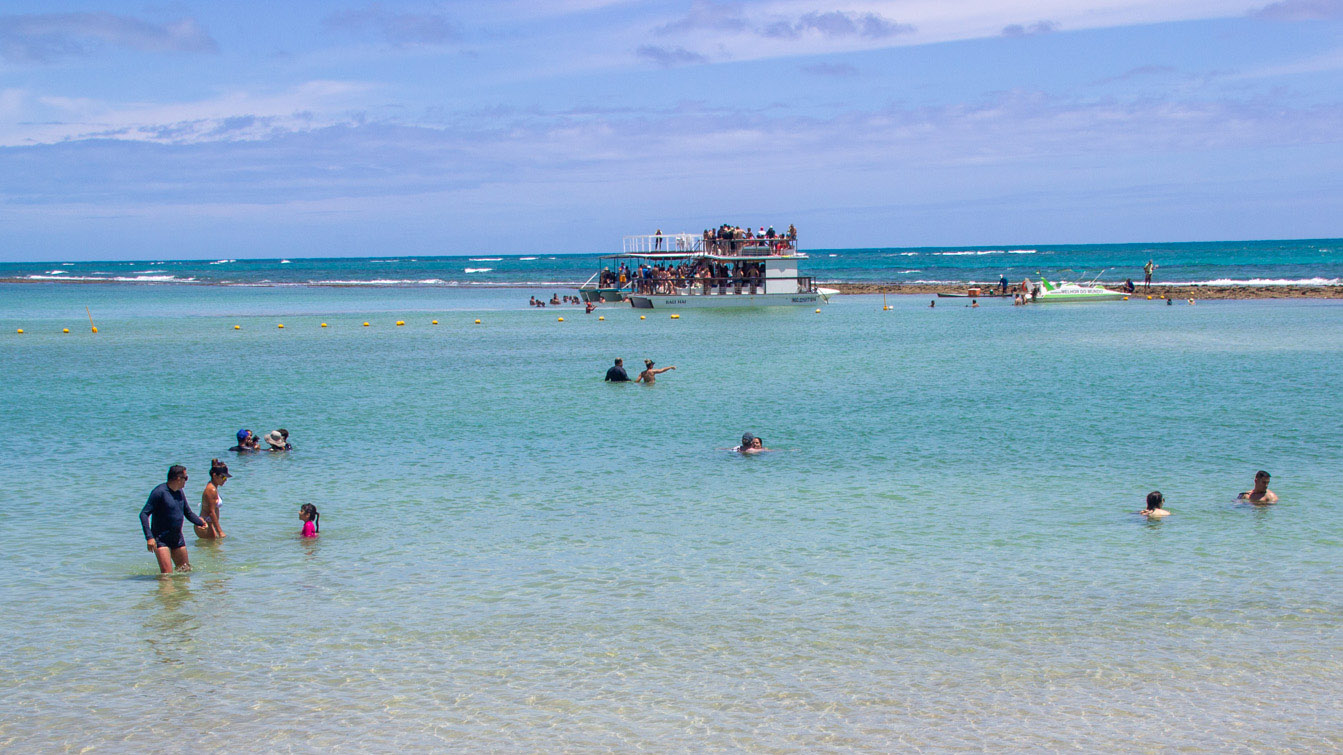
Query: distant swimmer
x=161 y=520
x=312 y=521
x=617 y=374
x=211 y=501
x=649 y=375
x=1260 y=494
x=932 y=303
x=246 y=442
x=278 y=440
x=1154 y=503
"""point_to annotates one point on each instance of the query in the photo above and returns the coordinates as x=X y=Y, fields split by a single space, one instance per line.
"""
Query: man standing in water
x=617 y=373
x=1260 y=493
x=1147 y=274
x=649 y=375
x=161 y=520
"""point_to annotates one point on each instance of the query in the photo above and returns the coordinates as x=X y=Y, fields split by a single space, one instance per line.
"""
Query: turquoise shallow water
x=515 y=556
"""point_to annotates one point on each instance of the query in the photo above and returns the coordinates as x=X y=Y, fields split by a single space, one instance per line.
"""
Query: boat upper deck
x=732 y=246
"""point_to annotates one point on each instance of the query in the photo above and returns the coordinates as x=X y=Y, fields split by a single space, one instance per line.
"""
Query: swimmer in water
x=307 y=513
x=210 y=501
x=1260 y=494
x=649 y=375
x=1154 y=502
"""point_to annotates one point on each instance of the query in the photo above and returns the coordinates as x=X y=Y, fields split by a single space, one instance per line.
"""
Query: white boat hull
x=687 y=301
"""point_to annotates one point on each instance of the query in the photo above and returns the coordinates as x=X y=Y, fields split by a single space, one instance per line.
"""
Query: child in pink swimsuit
x=307 y=513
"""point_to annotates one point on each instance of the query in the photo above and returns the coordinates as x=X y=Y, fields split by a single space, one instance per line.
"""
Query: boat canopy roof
x=664 y=256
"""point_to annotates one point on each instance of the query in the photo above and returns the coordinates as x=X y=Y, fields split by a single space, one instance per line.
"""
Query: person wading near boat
x=617 y=374
x=161 y=520
x=1260 y=493
x=649 y=375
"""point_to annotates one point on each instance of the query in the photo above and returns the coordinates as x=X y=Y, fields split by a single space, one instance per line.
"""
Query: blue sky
x=328 y=129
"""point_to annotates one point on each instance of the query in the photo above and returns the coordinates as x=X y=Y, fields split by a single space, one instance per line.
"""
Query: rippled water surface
x=515 y=556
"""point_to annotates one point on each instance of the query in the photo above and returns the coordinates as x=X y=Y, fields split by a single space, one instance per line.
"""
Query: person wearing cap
x=617 y=374
x=278 y=440
x=161 y=520
x=210 y=502
x=1260 y=493
x=246 y=442
x=648 y=376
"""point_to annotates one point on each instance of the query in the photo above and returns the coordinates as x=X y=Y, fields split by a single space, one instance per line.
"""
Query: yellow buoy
x=365 y=325
x=559 y=319
x=237 y=327
x=65 y=330
x=1125 y=298
x=477 y=322
x=1149 y=297
x=435 y=322
x=400 y=322
x=323 y=325
x=641 y=317
x=818 y=311
x=601 y=317
x=675 y=317
x=95 y=328
x=20 y=331
x=281 y=325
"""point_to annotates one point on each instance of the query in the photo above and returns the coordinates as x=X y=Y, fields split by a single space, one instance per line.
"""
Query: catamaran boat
x=675 y=271
x=1046 y=292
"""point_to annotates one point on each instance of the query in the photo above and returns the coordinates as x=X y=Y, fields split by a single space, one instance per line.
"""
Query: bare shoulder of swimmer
x=1158 y=513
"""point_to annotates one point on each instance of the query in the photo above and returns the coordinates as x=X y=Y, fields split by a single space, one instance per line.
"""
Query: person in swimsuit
x=307 y=513
x=1154 y=502
x=1260 y=494
x=211 y=500
x=649 y=375
x=161 y=520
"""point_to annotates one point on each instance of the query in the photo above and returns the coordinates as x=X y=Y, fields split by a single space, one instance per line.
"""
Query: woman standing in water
x=210 y=502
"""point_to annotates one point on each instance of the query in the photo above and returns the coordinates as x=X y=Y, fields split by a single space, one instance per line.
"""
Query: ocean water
x=1301 y=262
x=941 y=553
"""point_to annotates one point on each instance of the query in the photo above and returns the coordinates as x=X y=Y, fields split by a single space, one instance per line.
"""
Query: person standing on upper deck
x=657 y=240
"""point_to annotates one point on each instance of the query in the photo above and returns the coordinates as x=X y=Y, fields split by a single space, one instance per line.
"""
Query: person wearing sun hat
x=649 y=375
x=278 y=440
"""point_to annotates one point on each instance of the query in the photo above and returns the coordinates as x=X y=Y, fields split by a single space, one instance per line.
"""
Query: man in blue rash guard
x=161 y=519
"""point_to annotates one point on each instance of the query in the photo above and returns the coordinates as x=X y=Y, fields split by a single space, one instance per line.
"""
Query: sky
x=246 y=129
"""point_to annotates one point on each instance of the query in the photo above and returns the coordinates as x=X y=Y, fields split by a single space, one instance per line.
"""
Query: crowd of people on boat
x=734 y=240
x=710 y=276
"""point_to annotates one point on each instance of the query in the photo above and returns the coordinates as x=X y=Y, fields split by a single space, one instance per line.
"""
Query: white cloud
x=740 y=31
x=239 y=115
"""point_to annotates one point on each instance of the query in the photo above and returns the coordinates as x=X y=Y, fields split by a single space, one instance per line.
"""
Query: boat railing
x=714 y=286
x=690 y=243
x=752 y=247
x=663 y=242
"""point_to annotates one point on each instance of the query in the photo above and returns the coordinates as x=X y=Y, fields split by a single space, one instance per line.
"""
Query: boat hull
x=659 y=301
x=1071 y=298
x=600 y=295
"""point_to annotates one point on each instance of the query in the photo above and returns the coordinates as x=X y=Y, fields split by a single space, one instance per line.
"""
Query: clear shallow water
x=516 y=556
x=1304 y=261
